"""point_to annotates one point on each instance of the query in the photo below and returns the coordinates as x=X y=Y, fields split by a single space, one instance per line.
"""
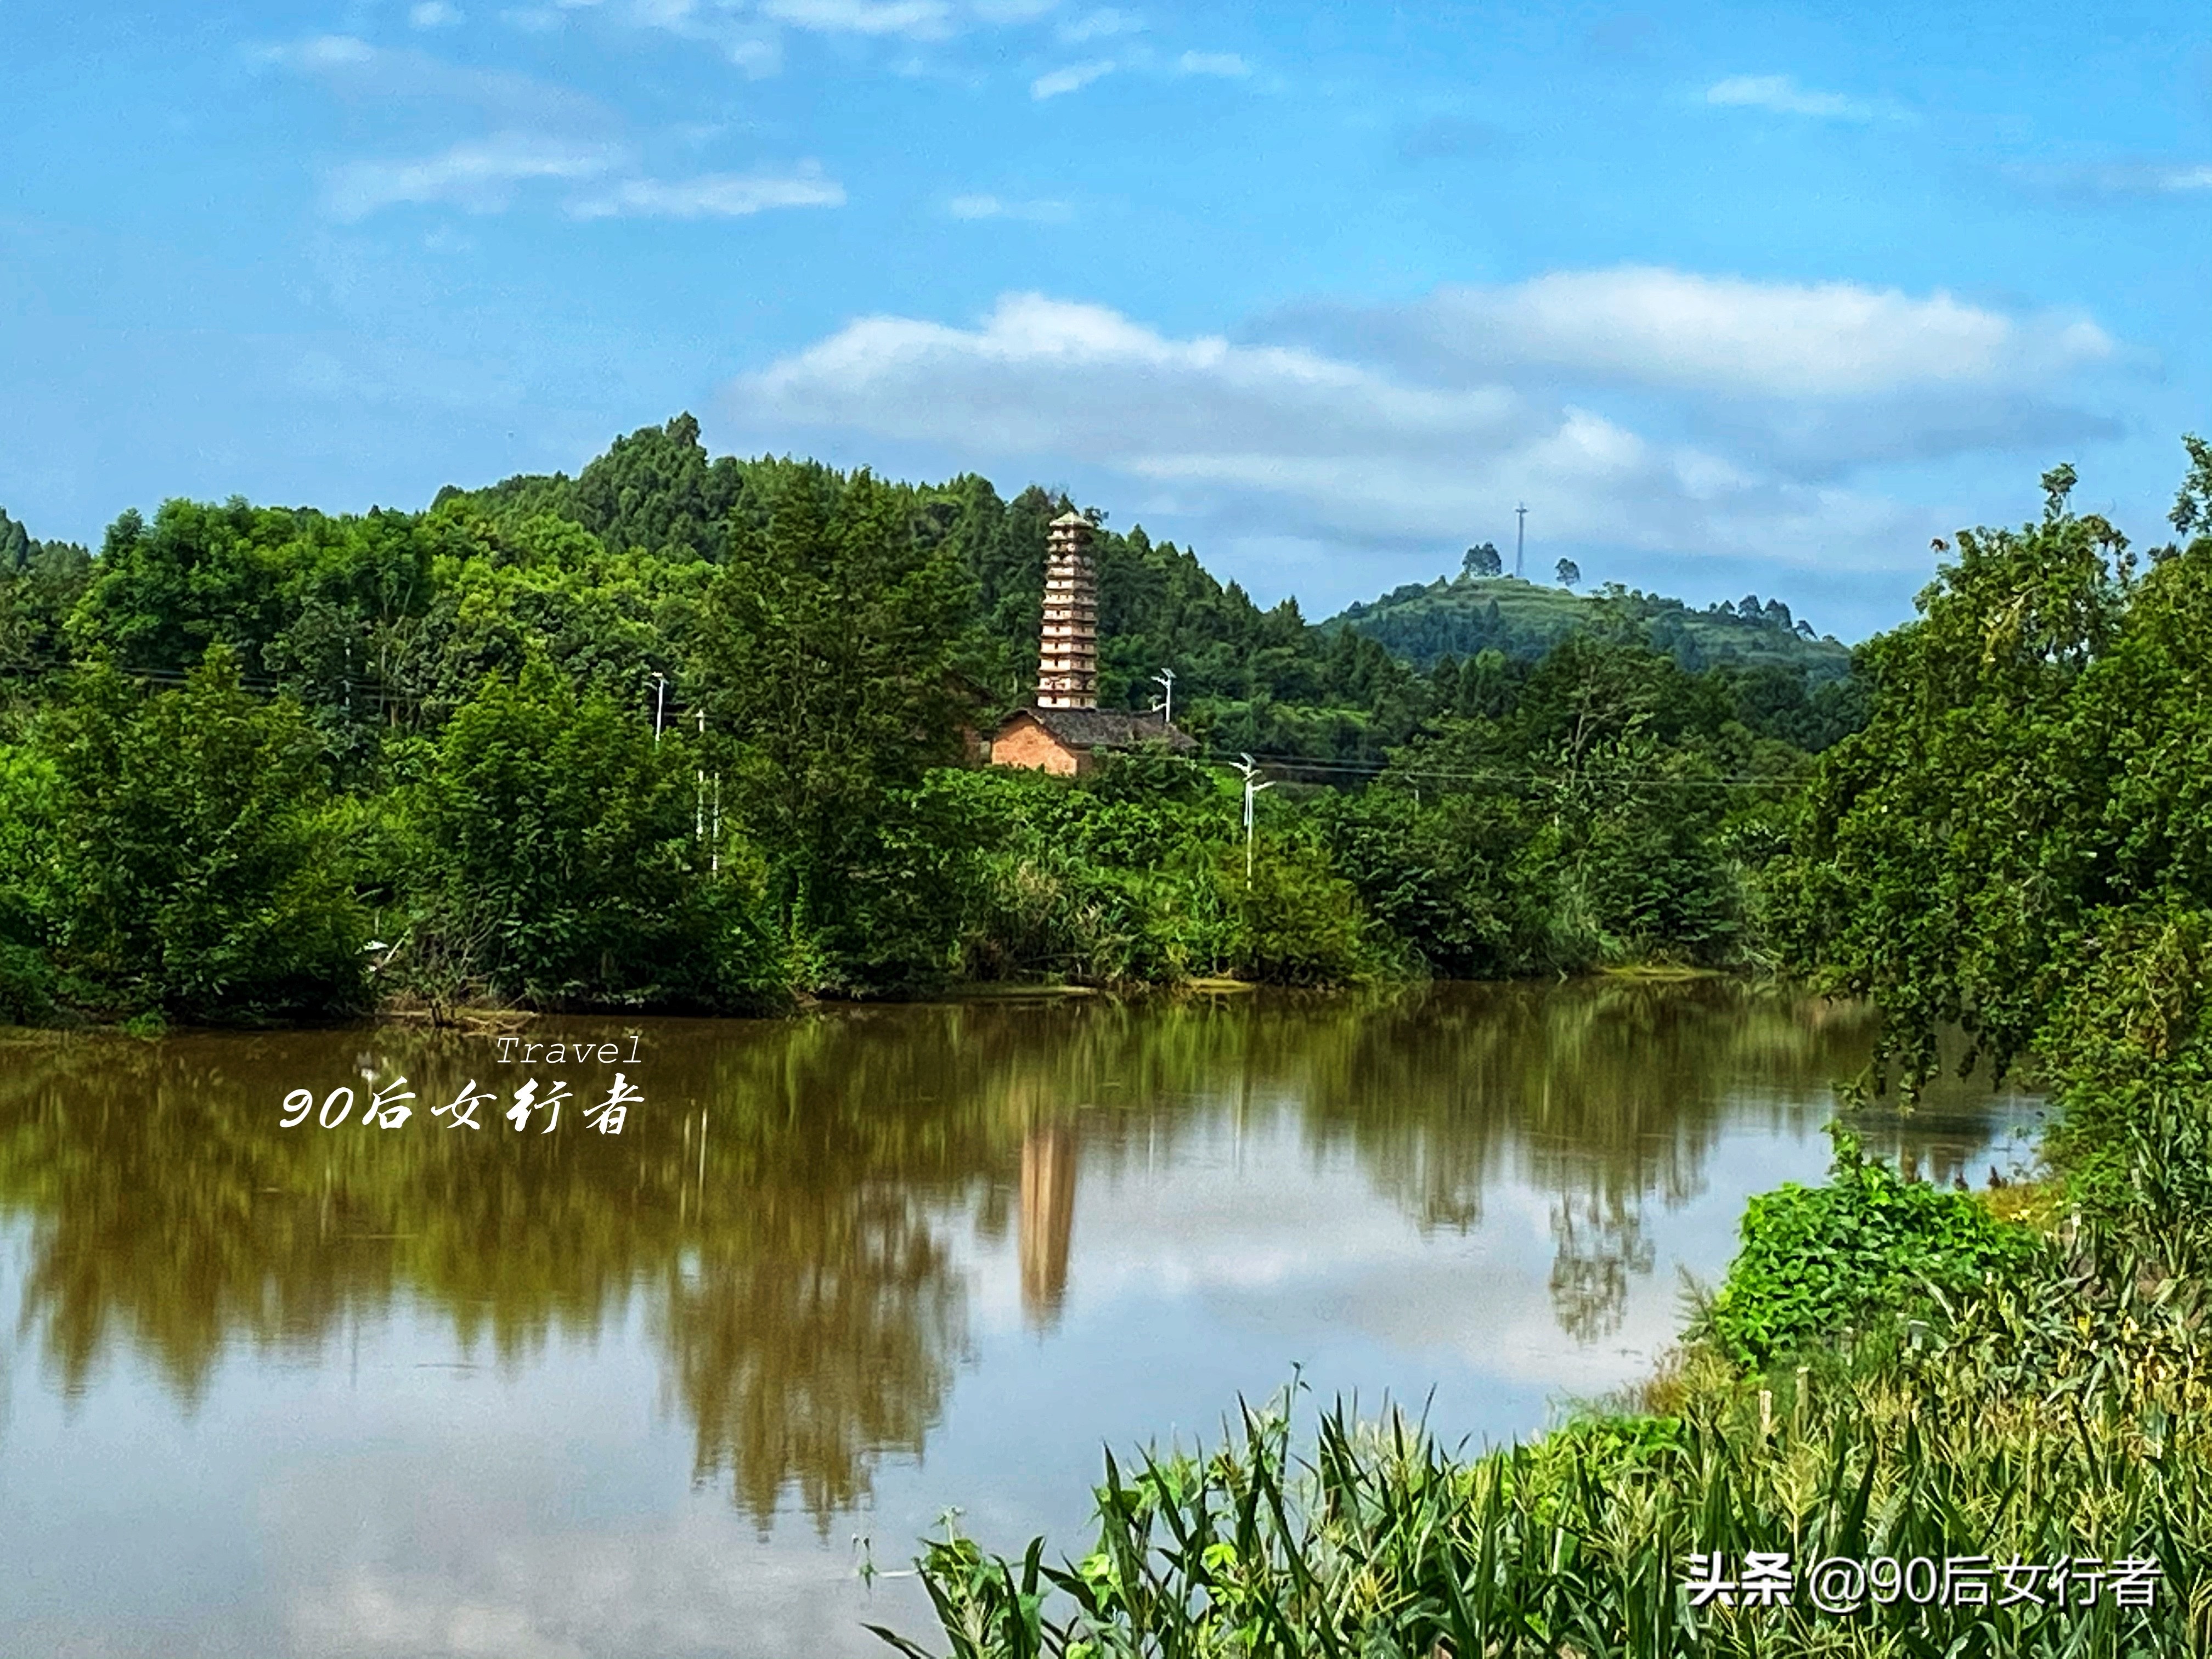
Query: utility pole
x=1252 y=788
x=659 y=701
x=1520 y=537
x=699 y=778
x=1166 y=678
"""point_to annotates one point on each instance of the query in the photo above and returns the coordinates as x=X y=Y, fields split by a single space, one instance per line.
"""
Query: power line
x=1506 y=774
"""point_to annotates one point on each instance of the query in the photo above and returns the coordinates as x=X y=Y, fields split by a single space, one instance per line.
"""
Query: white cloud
x=748 y=39
x=1225 y=64
x=2175 y=180
x=432 y=14
x=1748 y=408
x=324 y=53
x=2122 y=179
x=1040 y=212
x=749 y=32
x=540 y=132
x=1103 y=24
x=1073 y=78
x=1648 y=325
x=354 y=68
x=1781 y=94
x=1282 y=433
x=925 y=20
x=714 y=196
x=480 y=174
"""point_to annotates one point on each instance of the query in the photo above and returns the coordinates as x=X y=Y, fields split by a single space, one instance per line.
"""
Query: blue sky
x=1732 y=298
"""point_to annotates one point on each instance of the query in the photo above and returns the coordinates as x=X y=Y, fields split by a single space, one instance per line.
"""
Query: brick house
x=1066 y=741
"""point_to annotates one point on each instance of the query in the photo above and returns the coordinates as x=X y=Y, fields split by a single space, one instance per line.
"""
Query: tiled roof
x=1106 y=728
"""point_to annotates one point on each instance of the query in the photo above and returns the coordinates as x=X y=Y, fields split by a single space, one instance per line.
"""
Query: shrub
x=1820 y=1261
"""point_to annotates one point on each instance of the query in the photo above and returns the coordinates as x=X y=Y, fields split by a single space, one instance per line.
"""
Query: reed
x=1375 y=1540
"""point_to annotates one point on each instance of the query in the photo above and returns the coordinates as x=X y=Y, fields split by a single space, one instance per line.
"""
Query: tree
x=564 y=863
x=1569 y=573
x=39 y=583
x=188 y=866
x=1952 y=857
x=829 y=644
x=1482 y=560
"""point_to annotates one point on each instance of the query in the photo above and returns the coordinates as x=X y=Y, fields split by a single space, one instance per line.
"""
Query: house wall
x=1024 y=743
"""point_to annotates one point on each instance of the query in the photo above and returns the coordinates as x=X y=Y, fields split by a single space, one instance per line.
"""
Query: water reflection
x=795 y=1210
x=1047 y=1219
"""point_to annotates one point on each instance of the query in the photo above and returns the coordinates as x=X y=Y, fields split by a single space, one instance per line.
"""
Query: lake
x=528 y=1395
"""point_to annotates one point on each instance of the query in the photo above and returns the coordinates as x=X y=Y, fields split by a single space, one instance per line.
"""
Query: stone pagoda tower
x=1067 y=652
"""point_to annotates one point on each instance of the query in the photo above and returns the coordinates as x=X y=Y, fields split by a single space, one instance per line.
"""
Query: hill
x=605 y=574
x=1462 y=617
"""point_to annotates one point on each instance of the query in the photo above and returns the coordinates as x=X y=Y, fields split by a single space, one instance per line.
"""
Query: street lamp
x=1165 y=679
x=1252 y=788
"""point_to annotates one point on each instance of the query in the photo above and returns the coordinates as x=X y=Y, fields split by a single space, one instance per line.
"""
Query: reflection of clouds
x=1333 y=1261
x=692 y=1585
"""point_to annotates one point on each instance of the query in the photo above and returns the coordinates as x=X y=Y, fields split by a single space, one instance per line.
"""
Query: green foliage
x=830 y=640
x=560 y=862
x=27 y=988
x=2028 y=792
x=1376 y=1540
x=1136 y=875
x=1425 y=622
x=609 y=621
x=829 y=644
x=40 y=582
x=1579 y=816
x=1819 y=1263
x=183 y=862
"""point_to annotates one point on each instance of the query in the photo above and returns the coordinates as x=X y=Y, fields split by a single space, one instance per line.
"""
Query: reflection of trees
x=809 y=1310
x=1600 y=1245
x=1606 y=1094
x=829 y=1339
x=780 y=1200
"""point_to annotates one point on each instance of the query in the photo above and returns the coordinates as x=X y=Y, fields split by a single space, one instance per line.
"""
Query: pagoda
x=1067 y=652
x=1065 y=729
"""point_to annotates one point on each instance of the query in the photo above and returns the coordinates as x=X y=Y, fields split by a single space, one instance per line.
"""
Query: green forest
x=690 y=732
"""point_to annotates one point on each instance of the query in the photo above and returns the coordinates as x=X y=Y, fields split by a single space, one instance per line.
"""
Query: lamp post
x=1253 y=786
x=659 y=701
x=1165 y=680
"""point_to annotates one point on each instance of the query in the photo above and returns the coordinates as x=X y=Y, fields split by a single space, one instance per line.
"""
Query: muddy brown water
x=501 y=1392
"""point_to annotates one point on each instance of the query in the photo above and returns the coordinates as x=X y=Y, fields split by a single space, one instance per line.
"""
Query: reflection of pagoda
x=1066 y=727
x=1047 y=1220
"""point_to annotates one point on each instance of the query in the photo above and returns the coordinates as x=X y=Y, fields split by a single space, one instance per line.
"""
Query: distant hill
x=1463 y=615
